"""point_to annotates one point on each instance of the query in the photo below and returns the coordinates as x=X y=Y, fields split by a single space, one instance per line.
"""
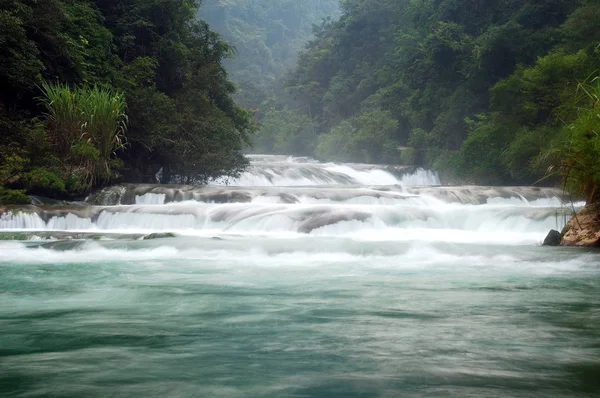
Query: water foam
x=382 y=206
x=442 y=222
x=277 y=171
x=421 y=257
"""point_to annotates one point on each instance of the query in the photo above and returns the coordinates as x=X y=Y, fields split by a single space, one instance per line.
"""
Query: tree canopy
x=479 y=89
x=497 y=92
x=267 y=36
x=165 y=66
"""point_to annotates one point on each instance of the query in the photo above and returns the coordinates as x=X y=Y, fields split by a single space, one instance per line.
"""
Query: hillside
x=486 y=93
x=267 y=36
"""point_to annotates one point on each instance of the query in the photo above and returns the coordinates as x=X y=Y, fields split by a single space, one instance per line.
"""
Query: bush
x=44 y=182
x=86 y=125
x=286 y=132
x=581 y=151
x=408 y=156
x=13 y=197
x=480 y=156
x=368 y=138
x=338 y=144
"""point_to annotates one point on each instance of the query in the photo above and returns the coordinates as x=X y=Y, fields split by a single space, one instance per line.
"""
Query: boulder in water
x=159 y=236
x=324 y=219
x=553 y=239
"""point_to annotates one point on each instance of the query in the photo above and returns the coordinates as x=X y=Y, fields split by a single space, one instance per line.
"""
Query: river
x=299 y=279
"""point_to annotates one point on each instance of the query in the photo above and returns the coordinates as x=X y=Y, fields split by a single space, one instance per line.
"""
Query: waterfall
x=320 y=199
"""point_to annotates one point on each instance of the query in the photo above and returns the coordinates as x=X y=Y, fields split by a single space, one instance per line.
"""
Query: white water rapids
x=298 y=279
x=281 y=197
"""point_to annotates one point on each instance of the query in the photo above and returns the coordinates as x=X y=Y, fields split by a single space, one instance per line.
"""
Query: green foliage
x=527 y=112
x=581 y=151
x=481 y=92
x=14 y=236
x=368 y=138
x=21 y=66
x=87 y=126
x=480 y=156
x=13 y=197
x=64 y=120
x=337 y=145
x=105 y=123
x=267 y=36
x=86 y=59
x=13 y=163
x=44 y=181
x=285 y=131
x=374 y=138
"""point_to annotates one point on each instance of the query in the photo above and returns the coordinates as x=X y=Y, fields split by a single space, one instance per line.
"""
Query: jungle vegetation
x=97 y=91
x=494 y=92
x=267 y=36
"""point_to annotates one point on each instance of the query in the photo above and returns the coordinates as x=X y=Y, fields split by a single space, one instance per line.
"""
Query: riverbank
x=584 y=228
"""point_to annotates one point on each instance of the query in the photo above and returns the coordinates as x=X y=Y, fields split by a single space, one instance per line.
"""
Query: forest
x=267 y=36
x=99 y=91
x=495 y=92
x=503 y=92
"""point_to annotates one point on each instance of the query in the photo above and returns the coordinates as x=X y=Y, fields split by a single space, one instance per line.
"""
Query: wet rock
x=553 y=239
x=160 y=236
x=322 y=220
x=584 y=228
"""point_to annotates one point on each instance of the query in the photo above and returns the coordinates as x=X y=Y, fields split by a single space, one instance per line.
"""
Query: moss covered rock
x=15 y=236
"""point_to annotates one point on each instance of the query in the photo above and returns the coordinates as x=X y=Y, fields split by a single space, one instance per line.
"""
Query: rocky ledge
x=582 y=230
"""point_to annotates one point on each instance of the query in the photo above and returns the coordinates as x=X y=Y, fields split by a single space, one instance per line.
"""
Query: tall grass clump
x=105 y=122
x=580 y=152
x=63 y=119
x=87 y=125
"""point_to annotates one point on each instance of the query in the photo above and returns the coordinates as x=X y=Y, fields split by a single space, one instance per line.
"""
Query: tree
x=88 y=58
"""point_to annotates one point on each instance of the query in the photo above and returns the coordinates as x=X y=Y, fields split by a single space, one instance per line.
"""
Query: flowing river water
x=299 y=279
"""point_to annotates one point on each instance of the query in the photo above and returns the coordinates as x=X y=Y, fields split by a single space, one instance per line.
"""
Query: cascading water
x=299 y=278
x=288 y=171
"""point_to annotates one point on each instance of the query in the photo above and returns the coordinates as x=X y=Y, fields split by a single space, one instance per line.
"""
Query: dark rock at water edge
x=553 y=239
x=584 y=228
x=160 y=236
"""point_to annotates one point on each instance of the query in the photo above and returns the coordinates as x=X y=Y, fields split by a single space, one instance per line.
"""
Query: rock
x=322 y=220
x=553 y=239
x=584 y=228
x=160 y=236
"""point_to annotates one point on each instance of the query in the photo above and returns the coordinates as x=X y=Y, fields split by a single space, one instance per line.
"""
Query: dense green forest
x=267 y=36
x=488 y=91
x=94 y=91
x=97 y=91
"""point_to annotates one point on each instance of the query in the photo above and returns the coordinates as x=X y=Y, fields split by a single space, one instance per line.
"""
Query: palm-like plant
x=87 y=125
x=105 y=123
x=63 y=119
x=581 y=155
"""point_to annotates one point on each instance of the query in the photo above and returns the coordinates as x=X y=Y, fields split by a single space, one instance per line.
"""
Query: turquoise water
x=345 y=291
x=151 y=319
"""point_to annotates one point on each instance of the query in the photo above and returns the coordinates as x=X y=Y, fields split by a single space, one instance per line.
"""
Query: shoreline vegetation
x=100 y=93
x=504 y=93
